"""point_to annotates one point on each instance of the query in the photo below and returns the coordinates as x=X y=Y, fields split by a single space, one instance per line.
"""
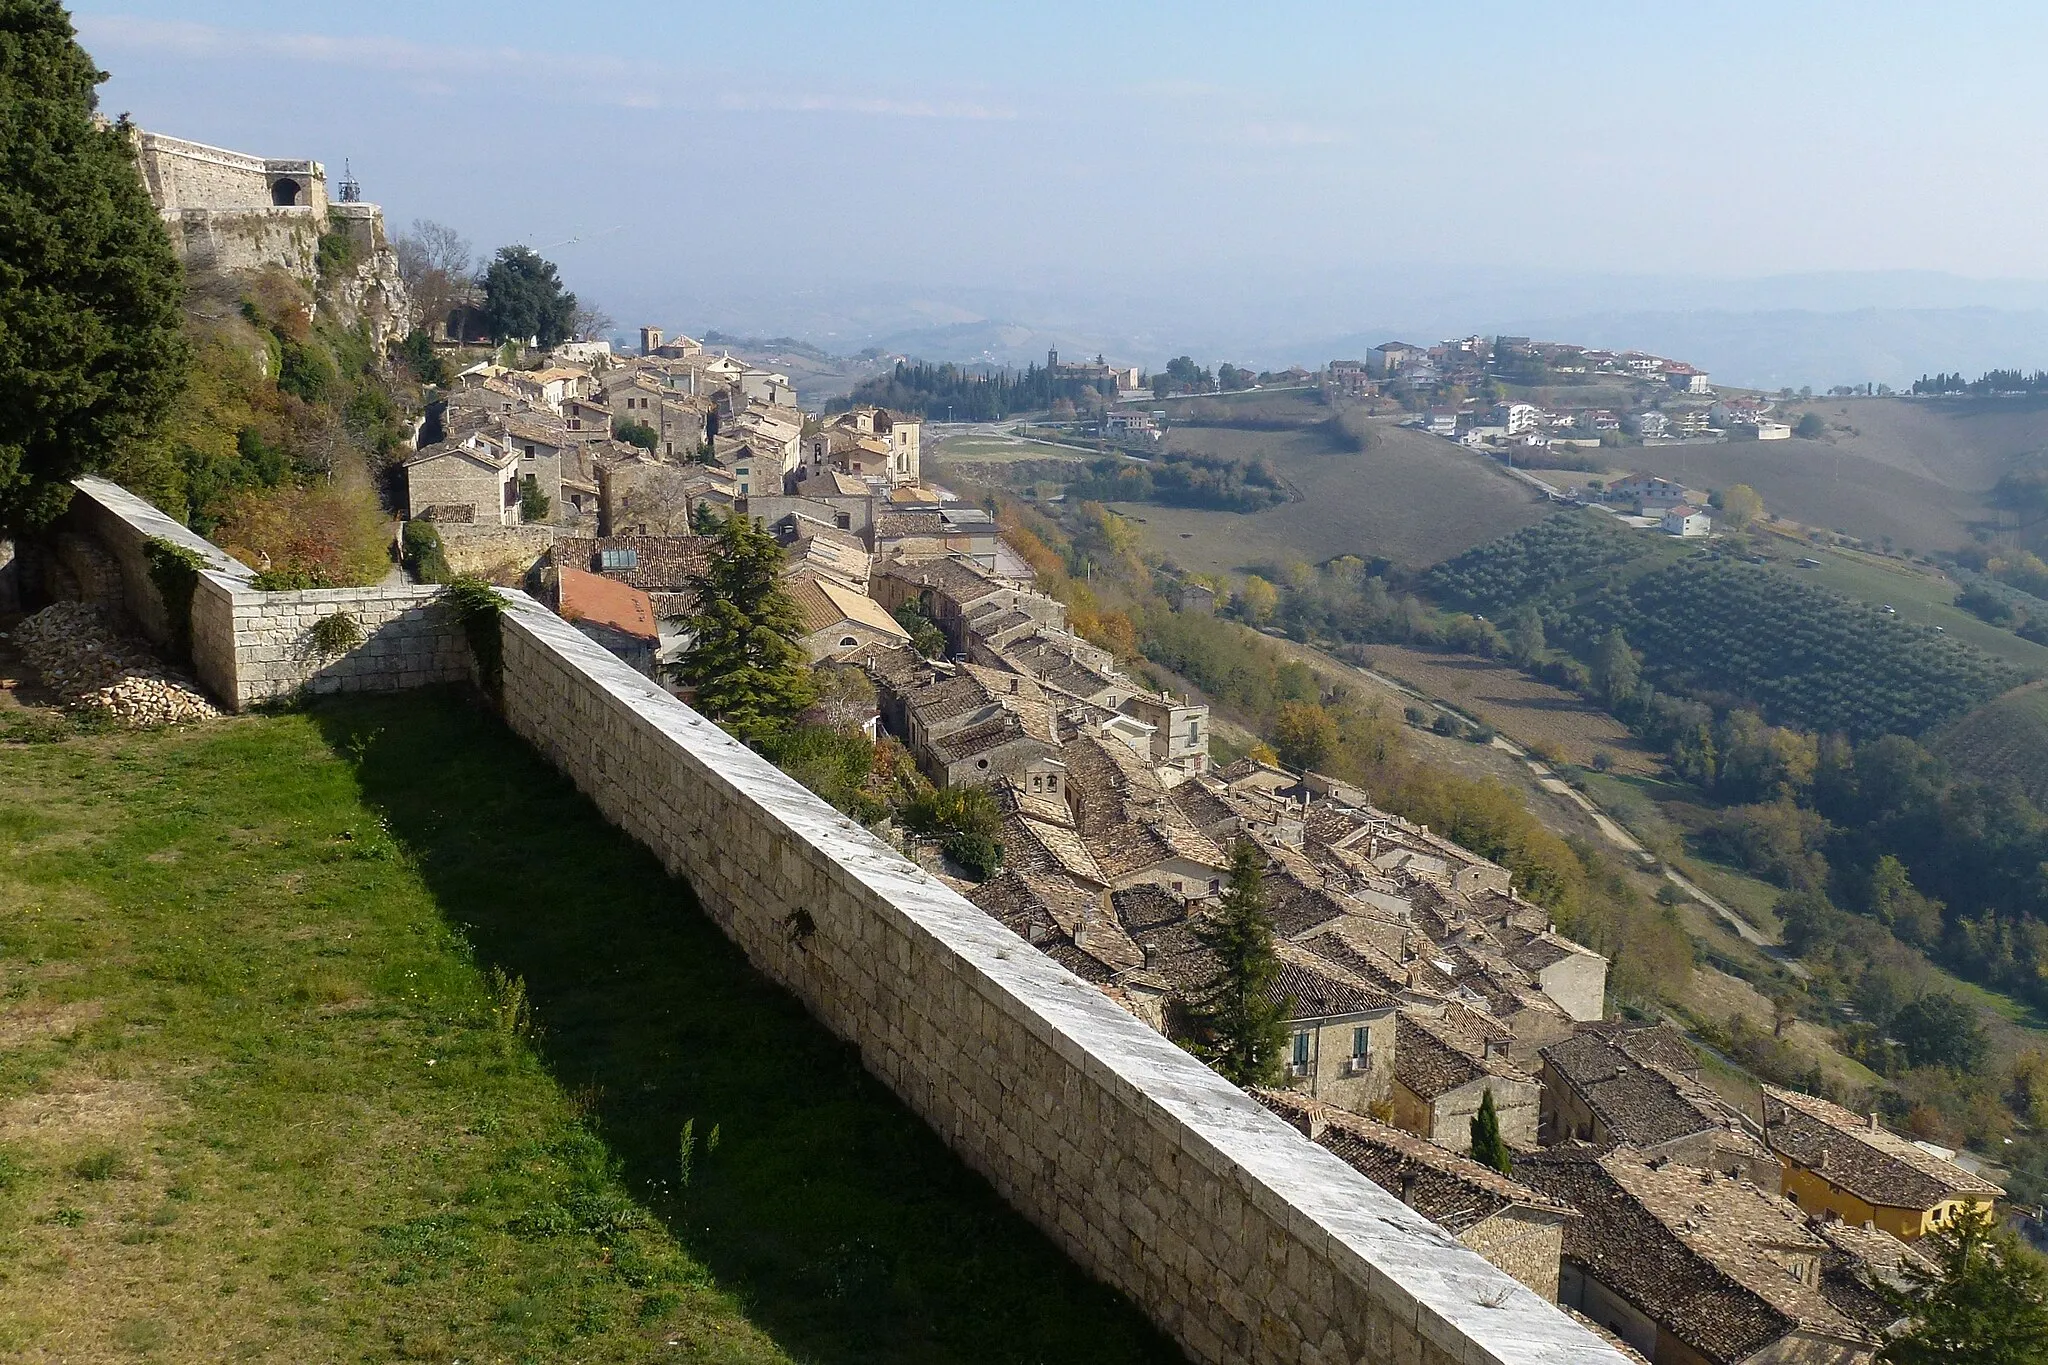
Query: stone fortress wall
x=1242 y=1240
x=228 y=212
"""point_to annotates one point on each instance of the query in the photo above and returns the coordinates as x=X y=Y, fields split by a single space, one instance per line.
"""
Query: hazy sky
x=792 y=147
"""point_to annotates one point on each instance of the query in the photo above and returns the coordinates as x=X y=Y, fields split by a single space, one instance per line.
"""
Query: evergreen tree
x=1488 y=1147
x=91 y=356
x=523 y=297
x=743 y=661
x=704 y=519
x=1987 y=1306
x=1244 y=1028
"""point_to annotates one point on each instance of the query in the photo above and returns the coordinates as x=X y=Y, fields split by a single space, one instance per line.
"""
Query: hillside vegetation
x=2005 y=740
x=1720 y=629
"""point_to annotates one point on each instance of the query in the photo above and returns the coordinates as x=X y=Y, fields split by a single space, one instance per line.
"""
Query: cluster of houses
x=600 y=467
x=1672 y=400
x=1416 y=982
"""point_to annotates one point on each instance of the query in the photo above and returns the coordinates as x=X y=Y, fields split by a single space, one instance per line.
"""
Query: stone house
x=1341 y=1051
x=1180 y=732
x=1518 y=1228
x=969 y=726
x=1840 y=1164
x=1443 y=1068
x=834 y=618
x=1694 y=1267
x=473 y=480
x=1640 y=1088
x=616 y=615
x=948 y=590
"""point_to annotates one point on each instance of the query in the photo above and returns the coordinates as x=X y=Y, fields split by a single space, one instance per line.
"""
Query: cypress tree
x=91 y=356
x=1488 y=1147
x=744 y=662
x=1244 y=1028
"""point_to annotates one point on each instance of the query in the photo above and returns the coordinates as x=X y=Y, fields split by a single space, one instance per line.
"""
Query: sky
x=1177 y=170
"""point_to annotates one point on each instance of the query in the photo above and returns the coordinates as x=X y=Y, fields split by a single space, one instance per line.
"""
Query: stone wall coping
x=150 y=523
x=1475 y=1312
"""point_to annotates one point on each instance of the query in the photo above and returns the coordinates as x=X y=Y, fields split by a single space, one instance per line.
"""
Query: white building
x=1686 y=520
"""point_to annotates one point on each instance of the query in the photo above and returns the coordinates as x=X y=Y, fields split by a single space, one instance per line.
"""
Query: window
x=1037 y=782
x=1361 y=1042
x=847 y=642
x=1179 y=886
x=1194 y=731
x=1215 y=885
x=1301 y=1049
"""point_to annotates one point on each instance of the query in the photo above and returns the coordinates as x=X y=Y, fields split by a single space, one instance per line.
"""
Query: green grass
x=357 y=1035
x=1922 y=598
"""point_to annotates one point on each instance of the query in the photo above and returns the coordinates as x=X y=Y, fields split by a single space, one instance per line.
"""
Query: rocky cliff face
x=368 y=289
x=355 y=276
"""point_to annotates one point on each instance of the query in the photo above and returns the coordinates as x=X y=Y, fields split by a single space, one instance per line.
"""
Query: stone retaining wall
x=1241 y=1239
x=251 y=647
x=123 y=523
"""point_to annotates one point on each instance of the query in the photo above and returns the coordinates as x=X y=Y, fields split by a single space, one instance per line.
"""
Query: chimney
x=1873 y=1123
x=1151 y=954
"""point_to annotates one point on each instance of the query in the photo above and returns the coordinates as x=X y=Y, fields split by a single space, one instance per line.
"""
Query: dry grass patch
x=1534 y=714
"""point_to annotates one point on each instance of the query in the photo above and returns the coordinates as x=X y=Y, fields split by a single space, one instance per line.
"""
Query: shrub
x=174 y=570
x=965 y=820
x=635 y=433
x=423 y=554
x=336 y=634
x=477 y=605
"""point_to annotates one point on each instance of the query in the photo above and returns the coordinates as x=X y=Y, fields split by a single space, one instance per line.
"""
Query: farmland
x=1533 y=713
x=1709 y=625
x=1409 y=497
x=1916 y=472
x=2005 y=739
x=1922 y=596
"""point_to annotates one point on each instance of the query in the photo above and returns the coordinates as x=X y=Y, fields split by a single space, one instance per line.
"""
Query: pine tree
x=1987 y=1306
x=91 y=355
x=743 y=659
x=523 y=297
x=1488 y=1147
x=1244 y=1028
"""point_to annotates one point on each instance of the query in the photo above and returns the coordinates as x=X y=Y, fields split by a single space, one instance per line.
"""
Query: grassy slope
x=1411 y=498
x=1921 y=595
x=255 y=1101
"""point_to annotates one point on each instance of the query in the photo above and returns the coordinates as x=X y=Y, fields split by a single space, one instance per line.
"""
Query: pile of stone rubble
x=93 y=667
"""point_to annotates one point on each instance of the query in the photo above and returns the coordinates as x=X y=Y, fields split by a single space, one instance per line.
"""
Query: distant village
x=1419 y=987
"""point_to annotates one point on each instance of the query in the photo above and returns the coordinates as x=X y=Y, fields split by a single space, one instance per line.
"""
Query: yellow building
x=1840 y=1164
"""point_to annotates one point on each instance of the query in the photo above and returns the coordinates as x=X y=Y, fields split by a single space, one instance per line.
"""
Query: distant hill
x=819 y=376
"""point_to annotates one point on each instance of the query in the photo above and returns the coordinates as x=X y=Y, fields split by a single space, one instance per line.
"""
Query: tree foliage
x=91 y=356
x=1304 y=735
x=1243 y=1026
x=1489 y=1148
x=1987 y=1305
x=523 y=297
x=743 y=660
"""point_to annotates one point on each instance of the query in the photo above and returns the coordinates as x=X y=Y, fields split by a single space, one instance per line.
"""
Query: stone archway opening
x=284 y=192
